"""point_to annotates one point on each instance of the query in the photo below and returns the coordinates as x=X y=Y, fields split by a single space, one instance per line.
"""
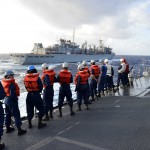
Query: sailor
x=12 y=91
x=84 y=63
x=82 y=88
x=109 y=76
x=33 y=85
x=121 y=70
x=2 y=96
x=48 y=78
x=95 y=72
x=65 y=78
x=102 y=77
x=126 y=73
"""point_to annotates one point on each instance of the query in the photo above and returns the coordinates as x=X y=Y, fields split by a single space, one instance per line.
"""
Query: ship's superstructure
x=64 y=51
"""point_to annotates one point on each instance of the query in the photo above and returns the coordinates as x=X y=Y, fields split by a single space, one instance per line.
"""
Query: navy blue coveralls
x=93 y=85
x=65 y=91
x=82 y=91
x=2 y=95
x=34 y=99
x=12 y=109
x=102 y=81
x=48 y=93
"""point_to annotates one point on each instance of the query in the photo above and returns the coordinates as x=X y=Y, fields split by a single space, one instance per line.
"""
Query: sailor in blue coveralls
x=82 y=88
x=12 y=92
x=33 y=85
x=48 y=78
x=2 y=95
x=95 y=72
x=65 y=78
x=102 y=78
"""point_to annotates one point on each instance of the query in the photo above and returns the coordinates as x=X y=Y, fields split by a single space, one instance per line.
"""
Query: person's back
x=82 y=88
x=12 y=92
x=65 y=78
x=34 y=86
x=48 y=78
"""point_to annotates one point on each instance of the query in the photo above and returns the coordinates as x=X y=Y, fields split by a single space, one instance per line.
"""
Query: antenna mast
x=73 y=39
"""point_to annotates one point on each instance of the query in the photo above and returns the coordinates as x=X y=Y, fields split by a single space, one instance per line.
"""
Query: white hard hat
x=92 y=61
x=44 y=65
x=84 y=62
x=101 y=60
x=65 y=65
x=106 y=60
x=121 y=59
x=80 y=67
x=145 y=74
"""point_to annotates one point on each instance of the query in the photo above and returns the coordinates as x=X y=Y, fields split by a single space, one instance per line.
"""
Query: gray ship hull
x=32 y=59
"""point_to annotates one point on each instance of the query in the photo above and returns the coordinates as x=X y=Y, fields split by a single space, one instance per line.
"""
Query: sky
x=123 y=25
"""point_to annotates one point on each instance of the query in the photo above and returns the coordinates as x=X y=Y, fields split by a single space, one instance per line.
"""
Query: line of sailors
x=87 y=81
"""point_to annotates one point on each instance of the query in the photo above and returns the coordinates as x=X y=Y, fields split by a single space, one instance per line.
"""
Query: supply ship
x=65 y=51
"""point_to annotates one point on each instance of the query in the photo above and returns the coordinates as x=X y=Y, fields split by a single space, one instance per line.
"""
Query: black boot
x=71 y=111
x=46 y=118
x=9 y=129
x=2 y=145
x=29 y=123
x=79 y=107
x=51 y=113
x=40 y=123
x=99 y=94
x=87 y=107
x=21 y=131
x=60 y=112
x=93 y=99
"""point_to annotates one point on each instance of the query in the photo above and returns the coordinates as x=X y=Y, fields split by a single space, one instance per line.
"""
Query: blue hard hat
x=8 y=72
x=31 y=67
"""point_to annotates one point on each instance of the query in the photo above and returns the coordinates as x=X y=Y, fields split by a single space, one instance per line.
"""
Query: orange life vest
x=64 y=76
x=51 y=75
x=84 y=77
x=87 y=70
x=30 y=82
x=6 y=83
x=96 y=70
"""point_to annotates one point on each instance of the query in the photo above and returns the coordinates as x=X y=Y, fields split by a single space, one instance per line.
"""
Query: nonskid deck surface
x=120 y=121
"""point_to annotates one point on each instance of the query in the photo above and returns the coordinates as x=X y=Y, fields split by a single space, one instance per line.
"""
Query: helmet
x=92 y=61
x=65 y=65
x=106 y=60
x=80 y=67
x=101 y=60
x=31 y=67
x=8 y=72
x=122 y=60
x=84 y=62
x=44 y=65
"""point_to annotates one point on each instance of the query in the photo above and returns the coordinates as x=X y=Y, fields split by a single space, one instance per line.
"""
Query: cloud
x=121 y=23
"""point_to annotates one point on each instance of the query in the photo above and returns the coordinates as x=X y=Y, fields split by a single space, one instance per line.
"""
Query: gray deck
x=114 y=122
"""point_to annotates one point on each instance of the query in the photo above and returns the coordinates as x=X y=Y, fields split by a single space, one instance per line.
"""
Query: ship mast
x=73 y=39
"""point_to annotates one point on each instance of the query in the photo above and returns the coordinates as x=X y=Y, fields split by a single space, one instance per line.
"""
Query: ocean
x=139 y=64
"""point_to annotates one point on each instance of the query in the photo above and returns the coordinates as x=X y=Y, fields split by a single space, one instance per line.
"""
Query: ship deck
x=116 y=121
